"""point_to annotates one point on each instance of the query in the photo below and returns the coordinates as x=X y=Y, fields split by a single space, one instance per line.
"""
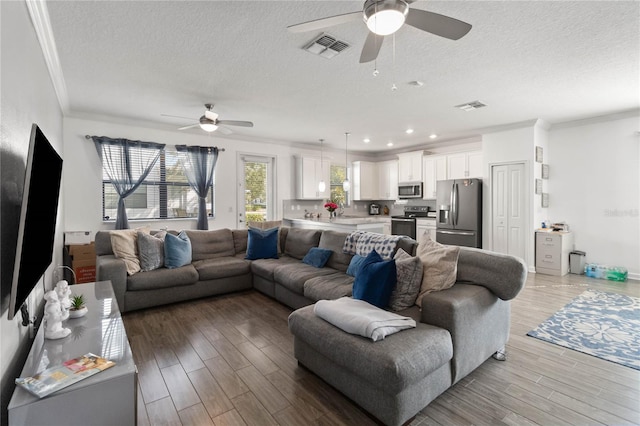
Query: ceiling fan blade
x=235 y=123
x=319 y=24
x=176 y=116
x=371 y=47
x=224 y=130
x=434 y=23
x=189 y=127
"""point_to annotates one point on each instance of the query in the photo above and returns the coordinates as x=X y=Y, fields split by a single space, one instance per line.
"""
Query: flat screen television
x=38 y=213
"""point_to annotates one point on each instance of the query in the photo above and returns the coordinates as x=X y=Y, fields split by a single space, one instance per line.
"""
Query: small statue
x=64 y=294
x=53 y=317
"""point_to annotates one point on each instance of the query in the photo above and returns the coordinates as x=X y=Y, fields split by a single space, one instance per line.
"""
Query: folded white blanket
x=359 y=317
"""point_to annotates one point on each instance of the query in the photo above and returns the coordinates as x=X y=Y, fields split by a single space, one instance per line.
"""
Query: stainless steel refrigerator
x=459 y=212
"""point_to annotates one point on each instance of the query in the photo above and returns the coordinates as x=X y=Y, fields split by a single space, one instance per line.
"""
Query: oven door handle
x=402 y=220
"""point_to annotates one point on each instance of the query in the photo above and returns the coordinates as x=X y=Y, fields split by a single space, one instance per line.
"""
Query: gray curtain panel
x=127 y=164
x=199 y=163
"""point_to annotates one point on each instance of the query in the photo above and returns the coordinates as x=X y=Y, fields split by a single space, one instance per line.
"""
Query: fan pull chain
x=375 y=61
x=393 y=85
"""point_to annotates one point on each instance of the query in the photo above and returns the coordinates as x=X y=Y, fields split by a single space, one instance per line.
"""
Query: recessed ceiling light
x=408 y=131
x=433 y=136
x=390 y=144
x=366 y=140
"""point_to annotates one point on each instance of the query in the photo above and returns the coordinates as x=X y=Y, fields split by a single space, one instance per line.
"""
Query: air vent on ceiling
x=326 y=46
x=470 y=106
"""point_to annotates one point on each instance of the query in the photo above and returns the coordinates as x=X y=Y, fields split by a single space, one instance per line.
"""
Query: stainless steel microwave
x=409 y=190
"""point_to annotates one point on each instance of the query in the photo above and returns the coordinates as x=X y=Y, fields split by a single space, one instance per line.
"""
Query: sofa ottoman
x=393 y=379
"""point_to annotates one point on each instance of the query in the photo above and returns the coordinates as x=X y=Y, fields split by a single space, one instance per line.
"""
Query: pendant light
x=321 y=185
x=346 y=185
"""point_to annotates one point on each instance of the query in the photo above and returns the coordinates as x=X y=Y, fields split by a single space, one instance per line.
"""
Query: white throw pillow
x=439 y=266
x=124 y=243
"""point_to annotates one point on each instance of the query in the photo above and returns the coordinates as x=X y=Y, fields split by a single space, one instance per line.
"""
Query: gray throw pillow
x=151 y=250
x=409 y=271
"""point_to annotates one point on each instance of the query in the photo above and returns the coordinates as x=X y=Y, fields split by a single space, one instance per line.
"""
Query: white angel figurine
x=53 y=317
x=64 y=296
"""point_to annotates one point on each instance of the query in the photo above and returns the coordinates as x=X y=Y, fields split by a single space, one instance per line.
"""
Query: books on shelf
x=60 y=376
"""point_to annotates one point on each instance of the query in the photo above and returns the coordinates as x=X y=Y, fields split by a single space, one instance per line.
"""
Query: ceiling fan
x=385 y=17
x=209 y=122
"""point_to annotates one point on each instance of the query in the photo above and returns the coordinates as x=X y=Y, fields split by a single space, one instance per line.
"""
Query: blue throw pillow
x=317 y=257
x=375 y=281
x=262 y=244
x=177 y=250
x=355 y=264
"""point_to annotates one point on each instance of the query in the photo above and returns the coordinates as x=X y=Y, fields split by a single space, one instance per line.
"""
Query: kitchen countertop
x=343 y=220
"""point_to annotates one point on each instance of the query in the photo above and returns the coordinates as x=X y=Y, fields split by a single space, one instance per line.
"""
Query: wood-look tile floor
x=229 y=361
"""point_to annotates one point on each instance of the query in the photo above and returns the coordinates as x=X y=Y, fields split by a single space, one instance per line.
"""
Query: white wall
x=594 y=186
x=82 y=176
x=509 y=146
x=27 y=97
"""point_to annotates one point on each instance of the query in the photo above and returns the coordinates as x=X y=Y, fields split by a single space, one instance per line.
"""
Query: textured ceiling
x=553 y=60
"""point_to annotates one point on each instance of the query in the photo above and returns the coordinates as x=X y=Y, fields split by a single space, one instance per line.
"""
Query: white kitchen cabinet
x=365 y=180
x=475 y=168
x=434 y=168
x=388 y=180
x=426 y=226
x=309 y=172
x=464 y=165
x=457 y=166
x=410 y=167
x=552 y=252
x=386 y=227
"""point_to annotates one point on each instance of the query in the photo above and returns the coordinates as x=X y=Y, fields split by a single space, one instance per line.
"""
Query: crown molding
x=634 y=112
x=42 y=25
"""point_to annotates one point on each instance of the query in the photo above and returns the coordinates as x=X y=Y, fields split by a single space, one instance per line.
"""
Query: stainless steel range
x=406 y=224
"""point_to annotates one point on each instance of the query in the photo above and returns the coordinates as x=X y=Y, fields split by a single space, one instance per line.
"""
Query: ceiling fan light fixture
x=384 y=17
x=207 y=125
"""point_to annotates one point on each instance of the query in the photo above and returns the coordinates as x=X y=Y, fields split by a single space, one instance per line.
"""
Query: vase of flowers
x=331 y=208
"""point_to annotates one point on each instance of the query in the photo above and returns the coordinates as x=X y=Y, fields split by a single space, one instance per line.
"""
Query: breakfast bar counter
x=341 y=223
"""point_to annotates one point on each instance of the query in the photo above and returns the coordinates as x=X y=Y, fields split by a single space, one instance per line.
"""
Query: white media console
x=107 y=398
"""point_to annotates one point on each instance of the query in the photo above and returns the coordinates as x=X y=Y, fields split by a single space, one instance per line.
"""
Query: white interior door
x=256 y=189
x=508 y=197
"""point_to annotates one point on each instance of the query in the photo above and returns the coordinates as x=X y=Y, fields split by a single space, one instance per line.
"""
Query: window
x=165 y=194
x=338 y=195
x=256 y=198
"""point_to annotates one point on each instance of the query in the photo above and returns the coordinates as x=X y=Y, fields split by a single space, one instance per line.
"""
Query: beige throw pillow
x=439 y=266
x=124 y=243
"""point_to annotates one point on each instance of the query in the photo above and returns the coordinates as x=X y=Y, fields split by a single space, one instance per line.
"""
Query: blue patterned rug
x=605 y=325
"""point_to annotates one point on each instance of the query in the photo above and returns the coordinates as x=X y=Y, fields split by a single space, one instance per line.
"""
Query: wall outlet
x=297 y=206
x=293 y=207
x=315 y=207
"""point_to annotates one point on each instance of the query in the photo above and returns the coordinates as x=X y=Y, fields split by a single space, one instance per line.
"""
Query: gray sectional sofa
x=219 y=266
x=393 y=379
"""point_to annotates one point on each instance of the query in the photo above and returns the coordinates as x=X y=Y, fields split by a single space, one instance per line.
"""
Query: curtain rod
x=89 y=137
